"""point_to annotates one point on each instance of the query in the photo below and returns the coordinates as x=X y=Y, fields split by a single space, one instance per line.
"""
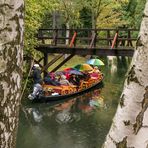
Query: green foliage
x=70 y=12
x=34 y=14
x=109 y=16
x=132 y=12
x=85 y=18
x=105 y=13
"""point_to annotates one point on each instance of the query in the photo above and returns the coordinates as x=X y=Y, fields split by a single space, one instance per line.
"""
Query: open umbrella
x=83 y=67
x=95 y=62
x=59 y=73
x=75 y=72
x=68 y=69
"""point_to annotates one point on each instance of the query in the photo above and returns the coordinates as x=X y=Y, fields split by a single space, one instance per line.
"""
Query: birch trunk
x=130 y=124
x=67 y=36
x=11 y=57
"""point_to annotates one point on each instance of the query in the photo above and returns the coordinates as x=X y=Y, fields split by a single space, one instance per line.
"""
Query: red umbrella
x=69 y=69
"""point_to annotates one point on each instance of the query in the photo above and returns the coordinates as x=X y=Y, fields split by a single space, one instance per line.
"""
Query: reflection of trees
x=68 y=111
x=65 y=124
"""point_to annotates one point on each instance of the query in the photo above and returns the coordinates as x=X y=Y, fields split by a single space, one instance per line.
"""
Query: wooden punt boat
x=56 y=93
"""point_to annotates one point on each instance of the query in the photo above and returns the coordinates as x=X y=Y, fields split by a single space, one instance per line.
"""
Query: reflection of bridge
x=113 y=42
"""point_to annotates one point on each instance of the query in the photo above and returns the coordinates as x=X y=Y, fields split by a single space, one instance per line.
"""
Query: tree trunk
x=11 y=59
x=67 y=36
x=130 y=124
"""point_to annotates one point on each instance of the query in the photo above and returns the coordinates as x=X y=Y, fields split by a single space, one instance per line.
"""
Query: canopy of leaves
x=132 y=12
x=34 y=14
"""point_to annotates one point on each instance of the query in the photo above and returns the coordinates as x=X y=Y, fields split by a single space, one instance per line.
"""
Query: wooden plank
x=52 y=62
x=62 y=63
x=103 y=51
x=70 y=56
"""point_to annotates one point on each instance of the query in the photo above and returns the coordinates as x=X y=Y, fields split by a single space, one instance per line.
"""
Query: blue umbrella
x=75 y=72
x=95 y=62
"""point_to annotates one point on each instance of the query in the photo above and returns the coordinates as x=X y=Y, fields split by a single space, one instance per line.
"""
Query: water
x=81 y=122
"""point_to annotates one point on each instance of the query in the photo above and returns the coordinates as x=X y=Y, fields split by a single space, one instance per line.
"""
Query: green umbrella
x=83 y=67
x=95 y=62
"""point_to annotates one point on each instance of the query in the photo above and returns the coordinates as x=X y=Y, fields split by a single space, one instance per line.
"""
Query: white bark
x=67 y=36
x=11 y=57
x=130 y=124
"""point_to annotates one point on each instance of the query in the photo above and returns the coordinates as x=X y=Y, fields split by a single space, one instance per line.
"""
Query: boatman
x=37 y=79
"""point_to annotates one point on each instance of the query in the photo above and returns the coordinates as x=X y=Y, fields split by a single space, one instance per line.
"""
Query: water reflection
x=68 y=111
x=70 y=122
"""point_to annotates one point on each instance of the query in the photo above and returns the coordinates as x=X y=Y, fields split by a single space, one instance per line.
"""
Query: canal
x=81 y=122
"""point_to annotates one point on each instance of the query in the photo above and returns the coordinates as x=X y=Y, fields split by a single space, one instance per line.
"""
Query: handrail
x=98 y=29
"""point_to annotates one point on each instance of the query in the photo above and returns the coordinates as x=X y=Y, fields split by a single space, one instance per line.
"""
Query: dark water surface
x=81 y=122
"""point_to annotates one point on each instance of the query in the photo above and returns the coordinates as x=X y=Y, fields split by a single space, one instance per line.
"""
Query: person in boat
x=86 y=76
x=51 y=81
x=96 y=69
x=37 y=80
x=74 y=80
x=96 y=72
x=64 y=81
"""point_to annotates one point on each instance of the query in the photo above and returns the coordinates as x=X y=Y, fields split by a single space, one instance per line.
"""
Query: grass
x=71 y=63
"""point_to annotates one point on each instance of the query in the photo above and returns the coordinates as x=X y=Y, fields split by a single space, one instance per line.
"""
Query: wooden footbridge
x=101 y=42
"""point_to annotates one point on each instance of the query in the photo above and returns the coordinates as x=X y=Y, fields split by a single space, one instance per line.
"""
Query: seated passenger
x=50 y=81
x=95 y=72
x=64 y=81
x=86 y=75
x=74 y=80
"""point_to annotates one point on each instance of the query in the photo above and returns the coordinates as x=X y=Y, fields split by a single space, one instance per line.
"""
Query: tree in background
x=130 y=124
x=70 y=12
x=11 y=64
x=34 y=13
x=132 y=12
x=104 y=13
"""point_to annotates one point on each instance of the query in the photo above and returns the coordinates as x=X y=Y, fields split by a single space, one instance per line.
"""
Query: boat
x=56 y=93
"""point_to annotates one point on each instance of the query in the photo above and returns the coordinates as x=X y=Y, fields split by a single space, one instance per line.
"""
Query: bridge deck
x=101 y=42
x=103 y=51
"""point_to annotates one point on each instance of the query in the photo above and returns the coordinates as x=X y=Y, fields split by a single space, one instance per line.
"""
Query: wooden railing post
x=95 y=38
x=92 y=40
x=129 y=42
x=55 y=35
x=109 y=42
x=45 y=62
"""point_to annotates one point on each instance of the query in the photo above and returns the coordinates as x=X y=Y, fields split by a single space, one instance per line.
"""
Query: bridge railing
x=103 y=37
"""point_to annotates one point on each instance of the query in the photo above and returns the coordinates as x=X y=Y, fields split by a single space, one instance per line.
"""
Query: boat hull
x=43 y=98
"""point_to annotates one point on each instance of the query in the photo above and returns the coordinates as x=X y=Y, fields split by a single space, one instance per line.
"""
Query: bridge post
x=45 y=62
x=129 y=42
x=95 y=37
x=117 y=41
x=55 y=35
x=109 y=42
